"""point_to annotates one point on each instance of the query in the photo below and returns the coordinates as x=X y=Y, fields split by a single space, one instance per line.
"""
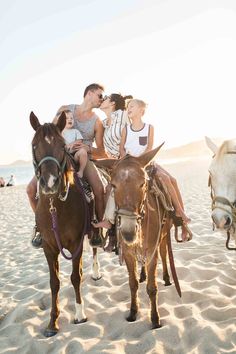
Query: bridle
x=37 y=165
x=61 y=166
x=225 y=202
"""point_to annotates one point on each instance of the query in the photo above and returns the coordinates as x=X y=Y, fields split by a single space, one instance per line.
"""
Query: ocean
x=23 y=173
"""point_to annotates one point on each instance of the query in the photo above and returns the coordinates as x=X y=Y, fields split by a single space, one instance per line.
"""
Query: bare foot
x=184 y=217
x=104 y=223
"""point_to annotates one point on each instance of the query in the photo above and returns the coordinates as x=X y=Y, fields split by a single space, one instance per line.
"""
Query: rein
x=55 y=229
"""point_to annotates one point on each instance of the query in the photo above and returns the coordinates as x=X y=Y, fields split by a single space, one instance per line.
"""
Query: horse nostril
x=228 y=221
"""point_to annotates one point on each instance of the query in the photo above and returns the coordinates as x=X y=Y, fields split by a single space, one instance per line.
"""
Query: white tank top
x=136 y=140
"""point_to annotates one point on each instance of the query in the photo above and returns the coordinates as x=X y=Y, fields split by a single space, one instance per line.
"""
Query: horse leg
x=163 y=253
x=53 y=265
x=143 y=274
x=131 y=264
x=96 y=275
x=152 y=291
x=76 y=277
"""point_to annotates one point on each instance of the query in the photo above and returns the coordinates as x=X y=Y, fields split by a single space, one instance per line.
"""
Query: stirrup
x=177 y=220
x=190 y=234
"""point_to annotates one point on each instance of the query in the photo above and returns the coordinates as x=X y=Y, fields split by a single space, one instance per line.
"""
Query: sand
x=201 y=322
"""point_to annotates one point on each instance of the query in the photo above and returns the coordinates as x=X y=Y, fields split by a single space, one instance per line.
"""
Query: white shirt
x=136 y=140
x=70 y=135
x=112 y=132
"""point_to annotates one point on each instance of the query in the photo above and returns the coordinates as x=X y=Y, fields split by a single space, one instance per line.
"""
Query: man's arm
x=60 y=110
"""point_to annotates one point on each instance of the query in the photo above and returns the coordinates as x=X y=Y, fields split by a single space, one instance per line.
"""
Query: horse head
x=48 y=150
x=222 y=180
x=129 y=182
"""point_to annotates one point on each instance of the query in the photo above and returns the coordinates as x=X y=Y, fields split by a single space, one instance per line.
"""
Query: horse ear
x=105 y=163
x=212 y=146
x=34 y=121
x=61 y=122
x=148 y=156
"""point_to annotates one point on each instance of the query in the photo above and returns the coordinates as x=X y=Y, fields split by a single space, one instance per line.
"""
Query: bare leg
x=109 y=215
x=176 y=200
x=174 y=191
x=91 y=174
x=31 y=191
x=81 y=156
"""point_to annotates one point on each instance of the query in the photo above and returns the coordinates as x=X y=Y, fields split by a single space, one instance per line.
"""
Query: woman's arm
x=98 y=152
x=122 y=142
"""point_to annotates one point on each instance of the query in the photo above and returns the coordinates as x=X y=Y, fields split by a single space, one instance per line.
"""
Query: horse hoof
x=81 y=321
x=131 y=318
x=50 y=332
x=97 y=278
x=156 y=325
x=142 y=279
x=167 y=283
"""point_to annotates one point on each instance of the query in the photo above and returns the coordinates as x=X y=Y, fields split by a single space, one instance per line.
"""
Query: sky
x=178 y=56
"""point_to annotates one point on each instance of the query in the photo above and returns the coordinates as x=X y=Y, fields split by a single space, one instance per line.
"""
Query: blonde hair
x=141 y=103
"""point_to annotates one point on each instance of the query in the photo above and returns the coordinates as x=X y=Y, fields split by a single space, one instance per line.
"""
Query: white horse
x=222 y=180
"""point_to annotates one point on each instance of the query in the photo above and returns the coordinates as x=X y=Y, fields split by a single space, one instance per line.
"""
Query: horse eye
x=113 y=186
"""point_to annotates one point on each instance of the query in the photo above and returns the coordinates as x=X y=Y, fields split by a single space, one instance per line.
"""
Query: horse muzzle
x=222 y=221
x=128 y=225
x=49 y=185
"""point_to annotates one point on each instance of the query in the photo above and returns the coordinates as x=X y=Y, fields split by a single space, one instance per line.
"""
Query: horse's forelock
x=127 y=163
x=47 y=130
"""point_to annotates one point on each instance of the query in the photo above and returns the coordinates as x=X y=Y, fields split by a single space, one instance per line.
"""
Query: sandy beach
x=201 y=322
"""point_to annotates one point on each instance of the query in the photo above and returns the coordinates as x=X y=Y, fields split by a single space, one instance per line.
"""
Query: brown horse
x=62 y=214
x=140 y=229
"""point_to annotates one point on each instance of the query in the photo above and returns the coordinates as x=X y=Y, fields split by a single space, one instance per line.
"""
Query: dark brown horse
x=141 y=226
x=62 y=212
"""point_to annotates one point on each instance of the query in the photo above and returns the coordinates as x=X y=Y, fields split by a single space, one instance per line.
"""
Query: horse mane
x=227 y=146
